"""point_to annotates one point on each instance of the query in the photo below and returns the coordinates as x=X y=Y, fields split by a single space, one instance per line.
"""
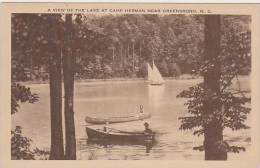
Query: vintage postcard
x=129 y=85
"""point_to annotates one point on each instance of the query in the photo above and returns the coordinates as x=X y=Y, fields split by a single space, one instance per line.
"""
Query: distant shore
x=125 y=79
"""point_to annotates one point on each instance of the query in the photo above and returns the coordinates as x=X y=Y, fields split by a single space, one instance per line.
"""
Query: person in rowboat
x=147 y=129
x=141 y=109
x=141 y=112
x=106 y=127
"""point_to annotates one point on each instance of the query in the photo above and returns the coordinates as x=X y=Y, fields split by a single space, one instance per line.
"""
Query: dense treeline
x=110 y=46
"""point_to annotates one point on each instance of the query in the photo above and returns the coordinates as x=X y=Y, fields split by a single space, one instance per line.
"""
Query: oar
x=124 y=131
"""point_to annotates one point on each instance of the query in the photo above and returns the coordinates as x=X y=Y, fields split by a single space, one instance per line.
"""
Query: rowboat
x=94 y=120
x=116 y=136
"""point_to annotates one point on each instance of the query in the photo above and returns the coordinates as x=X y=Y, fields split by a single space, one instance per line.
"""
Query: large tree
x=216 y=104
x=213 y=130
x=53 y=49
x=68 y=72
x=36 y=40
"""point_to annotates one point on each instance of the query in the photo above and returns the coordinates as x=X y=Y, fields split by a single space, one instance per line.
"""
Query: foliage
x=21 y=94
x=33 y=39
x=234 y=57
x=122 y=42
x=174 y=69
x=21 y=147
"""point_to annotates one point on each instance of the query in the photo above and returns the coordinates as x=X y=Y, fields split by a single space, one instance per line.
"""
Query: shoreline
x=114 y=80
x=125 y=80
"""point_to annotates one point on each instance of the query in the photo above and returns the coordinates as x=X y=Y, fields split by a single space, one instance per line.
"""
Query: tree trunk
x=125 y=57
x=128 y=48
x=113 y=57
x=133 y=63
x=121 y=56
x=57 y=149
x=31 y=67
x=140 y=54
x=68 y=72
x=213 y=135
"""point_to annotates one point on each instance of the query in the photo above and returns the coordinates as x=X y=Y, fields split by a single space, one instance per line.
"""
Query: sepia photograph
x=130 y=85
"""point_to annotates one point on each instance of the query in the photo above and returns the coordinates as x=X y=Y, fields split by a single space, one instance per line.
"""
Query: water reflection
x=148 y=147
x=110 y=150
x=108 y=145
x=156 y=94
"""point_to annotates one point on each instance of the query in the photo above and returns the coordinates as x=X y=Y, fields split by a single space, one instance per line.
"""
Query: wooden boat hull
x=93 y=120
x=122 y=137
x=156 y=84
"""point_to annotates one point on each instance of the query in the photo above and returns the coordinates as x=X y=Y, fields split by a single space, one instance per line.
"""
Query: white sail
x=157 y=77
x=154 y=76
x=150 y=72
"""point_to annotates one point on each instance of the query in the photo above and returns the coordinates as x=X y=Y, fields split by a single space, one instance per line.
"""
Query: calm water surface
x=122 y=99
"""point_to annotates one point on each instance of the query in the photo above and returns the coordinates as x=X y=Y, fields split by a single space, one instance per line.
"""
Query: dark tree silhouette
x=213 y=131
x=54 y=53
x=68 y=72
x=215 y=104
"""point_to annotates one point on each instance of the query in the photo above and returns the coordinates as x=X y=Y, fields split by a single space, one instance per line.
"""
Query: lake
x=105 y=99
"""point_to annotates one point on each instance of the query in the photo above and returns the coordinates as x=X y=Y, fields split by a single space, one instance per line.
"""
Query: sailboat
x=154 y=75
